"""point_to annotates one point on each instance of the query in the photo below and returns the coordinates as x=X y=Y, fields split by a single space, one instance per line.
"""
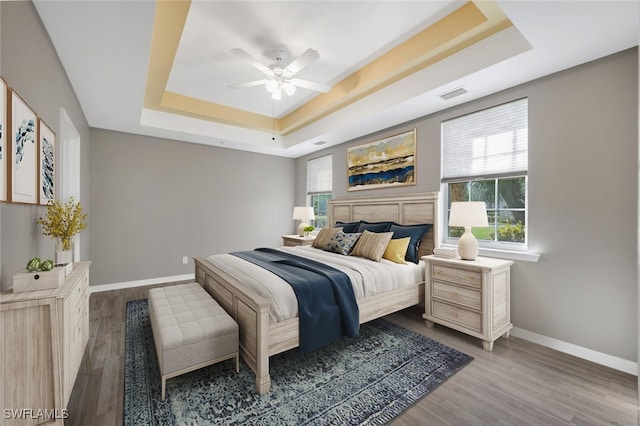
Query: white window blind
x=486 y=144
x=319 y=175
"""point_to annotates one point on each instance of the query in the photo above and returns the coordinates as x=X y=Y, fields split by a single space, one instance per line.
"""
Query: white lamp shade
x=303 y=213
x=468 y=213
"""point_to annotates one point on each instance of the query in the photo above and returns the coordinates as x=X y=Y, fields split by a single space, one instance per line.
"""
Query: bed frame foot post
x=263 y=384
x=263 y=379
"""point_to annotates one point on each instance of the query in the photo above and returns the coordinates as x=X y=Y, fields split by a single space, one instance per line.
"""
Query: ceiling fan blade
x=318 y=87
x=253 y=61
x=302 y=61
x=248 y=84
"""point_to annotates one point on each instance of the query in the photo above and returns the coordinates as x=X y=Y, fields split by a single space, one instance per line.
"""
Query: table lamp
x=468 y=214
x=303 y=214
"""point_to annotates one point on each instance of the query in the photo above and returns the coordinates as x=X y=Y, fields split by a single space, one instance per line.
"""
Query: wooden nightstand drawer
x=457 y=275
x=458 y=295
x=457 y=315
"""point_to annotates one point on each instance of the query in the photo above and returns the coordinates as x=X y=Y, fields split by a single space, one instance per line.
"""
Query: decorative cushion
x=397 y=250
x=343 y=242
x=323 y=237
x=416 y=232
x=371 y=245
x=348 y=227
x=374 y=226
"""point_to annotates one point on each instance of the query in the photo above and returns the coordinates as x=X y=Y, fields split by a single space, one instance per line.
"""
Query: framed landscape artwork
x=3 y=138
x=23 y=161
x=46 y=172
x=387 y=162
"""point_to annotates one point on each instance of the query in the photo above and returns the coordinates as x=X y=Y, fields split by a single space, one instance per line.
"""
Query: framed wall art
x=22 y=163
x=3 y=138
x=46 y=162
x=387 y=162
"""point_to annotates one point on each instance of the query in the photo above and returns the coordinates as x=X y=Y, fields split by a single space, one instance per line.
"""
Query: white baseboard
x=140 y=283
x=578 y=351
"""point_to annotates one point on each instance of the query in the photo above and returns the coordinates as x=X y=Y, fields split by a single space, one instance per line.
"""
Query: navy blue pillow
x=348 y=227
x=416 y=232
x=374 y=226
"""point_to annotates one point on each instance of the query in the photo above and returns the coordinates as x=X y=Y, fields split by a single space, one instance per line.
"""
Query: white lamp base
x=468 y=245
x=303 y=225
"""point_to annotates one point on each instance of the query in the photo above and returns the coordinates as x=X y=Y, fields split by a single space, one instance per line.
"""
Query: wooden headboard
x=408 y=209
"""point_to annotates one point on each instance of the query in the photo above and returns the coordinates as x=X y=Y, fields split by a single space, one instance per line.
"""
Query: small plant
x=36 y=265
x=63 y=221
x=309 y=228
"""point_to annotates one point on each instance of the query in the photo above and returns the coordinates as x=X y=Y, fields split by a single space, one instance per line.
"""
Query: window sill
x=525 y=256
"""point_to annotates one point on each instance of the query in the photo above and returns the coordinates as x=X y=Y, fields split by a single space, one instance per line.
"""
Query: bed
x=262 y=336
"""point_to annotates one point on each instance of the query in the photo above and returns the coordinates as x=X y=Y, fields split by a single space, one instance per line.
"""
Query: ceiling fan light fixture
x=276 y=94
x=289 y=88
x=272 y=86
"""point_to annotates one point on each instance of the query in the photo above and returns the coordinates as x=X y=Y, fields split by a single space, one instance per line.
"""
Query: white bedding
x=367 y=277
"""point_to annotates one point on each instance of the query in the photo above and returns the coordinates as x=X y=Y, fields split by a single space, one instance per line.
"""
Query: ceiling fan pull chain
x=273 y=122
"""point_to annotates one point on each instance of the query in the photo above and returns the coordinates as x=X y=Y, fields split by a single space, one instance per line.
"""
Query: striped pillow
x=372 y=245
x=323 y=237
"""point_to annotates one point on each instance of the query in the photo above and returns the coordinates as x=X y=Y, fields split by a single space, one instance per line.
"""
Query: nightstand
x=471 y=296
x=296 y=240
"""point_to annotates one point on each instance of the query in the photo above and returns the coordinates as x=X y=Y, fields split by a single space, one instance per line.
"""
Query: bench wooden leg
x=164 y=385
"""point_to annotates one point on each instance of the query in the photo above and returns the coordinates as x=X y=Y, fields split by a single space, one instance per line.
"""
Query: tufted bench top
x=185 y=314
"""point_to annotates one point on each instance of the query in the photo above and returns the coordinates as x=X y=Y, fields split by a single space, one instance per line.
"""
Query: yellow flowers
x=63 y=221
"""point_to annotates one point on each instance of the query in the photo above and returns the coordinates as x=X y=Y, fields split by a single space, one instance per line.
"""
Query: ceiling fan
x=280 y=78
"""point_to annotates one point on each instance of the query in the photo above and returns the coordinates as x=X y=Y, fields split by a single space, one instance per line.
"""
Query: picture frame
x=3 y=139
x=22 y=162
x=384 y=163
x=46 y=163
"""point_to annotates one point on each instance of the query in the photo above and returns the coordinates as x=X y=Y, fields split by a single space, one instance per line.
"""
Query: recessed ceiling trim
x=169 y=20
x=462 y=28
x=198 y=108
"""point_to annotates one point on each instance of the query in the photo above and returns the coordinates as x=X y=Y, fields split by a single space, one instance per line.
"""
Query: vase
x=63 y=256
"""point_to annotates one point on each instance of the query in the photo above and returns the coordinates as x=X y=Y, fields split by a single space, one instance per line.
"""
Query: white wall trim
x=140 y=283
x=578 y=351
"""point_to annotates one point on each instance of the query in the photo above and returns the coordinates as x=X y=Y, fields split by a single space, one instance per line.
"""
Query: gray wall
x=30 y=65
x=155 y=201
x=583 y=136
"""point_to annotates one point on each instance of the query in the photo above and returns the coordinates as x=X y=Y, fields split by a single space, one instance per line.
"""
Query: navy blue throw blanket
x=326 y=302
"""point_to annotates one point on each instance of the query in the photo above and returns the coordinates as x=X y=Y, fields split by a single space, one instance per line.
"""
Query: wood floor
x=519 y=383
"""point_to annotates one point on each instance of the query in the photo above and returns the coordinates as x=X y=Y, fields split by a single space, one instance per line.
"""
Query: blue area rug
x=369 y=379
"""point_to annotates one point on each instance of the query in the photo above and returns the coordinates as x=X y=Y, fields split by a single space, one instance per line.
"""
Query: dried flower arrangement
x=63 y=221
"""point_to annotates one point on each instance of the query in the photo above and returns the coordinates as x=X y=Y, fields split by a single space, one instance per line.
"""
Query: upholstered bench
x=190 y=330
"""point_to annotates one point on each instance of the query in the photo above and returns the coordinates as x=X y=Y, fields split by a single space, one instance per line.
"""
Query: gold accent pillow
x=397 y=250
x=323 y=237
x=372 y=245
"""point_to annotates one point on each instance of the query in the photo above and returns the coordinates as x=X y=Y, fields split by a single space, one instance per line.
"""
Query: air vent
x=453 y=93
x=320 y=143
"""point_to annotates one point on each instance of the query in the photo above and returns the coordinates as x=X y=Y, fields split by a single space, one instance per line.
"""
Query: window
x=484 y=158
x=319 y=187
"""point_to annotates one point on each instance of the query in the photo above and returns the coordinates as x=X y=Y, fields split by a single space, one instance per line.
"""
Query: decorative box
x=32 y=281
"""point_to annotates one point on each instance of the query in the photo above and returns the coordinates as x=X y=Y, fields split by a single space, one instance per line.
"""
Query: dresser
x=44 y=335
x=296 y=240
x=471 y=296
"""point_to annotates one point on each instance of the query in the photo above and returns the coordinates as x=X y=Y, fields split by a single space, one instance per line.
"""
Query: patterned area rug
x=369 y=379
